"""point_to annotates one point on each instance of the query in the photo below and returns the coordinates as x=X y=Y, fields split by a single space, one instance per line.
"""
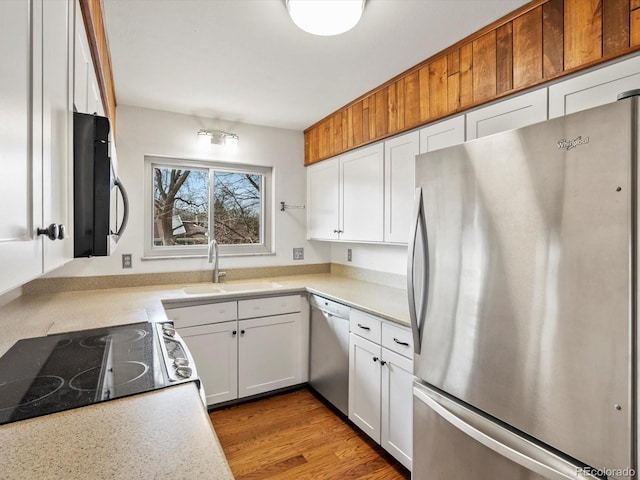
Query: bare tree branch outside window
x=237 y=207
x=181 y=207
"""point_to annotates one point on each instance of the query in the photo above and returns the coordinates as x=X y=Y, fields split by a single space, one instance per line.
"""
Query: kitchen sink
x=230 y=287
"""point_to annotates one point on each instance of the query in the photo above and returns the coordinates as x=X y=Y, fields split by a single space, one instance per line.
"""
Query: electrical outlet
x=127 y=262
x=349 y=255
x=298 y=253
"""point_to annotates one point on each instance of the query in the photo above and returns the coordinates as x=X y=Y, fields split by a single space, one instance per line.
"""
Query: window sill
x=222 y=255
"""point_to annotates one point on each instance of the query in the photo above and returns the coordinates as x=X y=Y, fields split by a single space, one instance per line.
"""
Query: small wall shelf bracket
x=284 y=206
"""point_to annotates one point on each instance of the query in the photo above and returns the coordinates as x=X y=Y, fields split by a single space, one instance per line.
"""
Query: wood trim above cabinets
x=99 y=46
x=541 y=41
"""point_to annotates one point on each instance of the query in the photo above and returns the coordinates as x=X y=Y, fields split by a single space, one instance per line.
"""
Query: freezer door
x=453 y=442
x=529 y=312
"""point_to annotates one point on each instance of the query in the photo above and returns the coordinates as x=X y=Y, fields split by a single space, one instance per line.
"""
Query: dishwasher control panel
x=329 y=306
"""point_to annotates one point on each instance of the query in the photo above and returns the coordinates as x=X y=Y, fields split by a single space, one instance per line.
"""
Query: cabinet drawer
x=397 y=339
x=264 y=307
x=365 y=325
x=203 y=314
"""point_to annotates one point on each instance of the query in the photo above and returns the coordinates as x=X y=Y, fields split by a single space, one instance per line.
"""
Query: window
x=191 y=202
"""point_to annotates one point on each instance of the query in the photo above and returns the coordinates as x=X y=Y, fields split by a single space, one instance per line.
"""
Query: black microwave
x=101 y=206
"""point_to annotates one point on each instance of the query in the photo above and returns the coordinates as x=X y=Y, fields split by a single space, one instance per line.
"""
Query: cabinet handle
x=404 y=344
x=375 y=359
x=364 y=327
x=383 y=362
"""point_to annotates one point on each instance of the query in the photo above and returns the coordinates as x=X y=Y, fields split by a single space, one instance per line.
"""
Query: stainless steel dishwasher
x=329 y=351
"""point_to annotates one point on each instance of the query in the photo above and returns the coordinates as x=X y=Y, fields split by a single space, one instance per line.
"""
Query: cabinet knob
x=383 y=362
x=234 y=333
x=375 y=359
x=241 y=332
x=51 y=231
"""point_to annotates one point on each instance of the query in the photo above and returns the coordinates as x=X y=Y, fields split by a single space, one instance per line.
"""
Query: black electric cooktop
x=69 y=370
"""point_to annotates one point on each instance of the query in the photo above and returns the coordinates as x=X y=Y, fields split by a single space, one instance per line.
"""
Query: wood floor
x=295 y=436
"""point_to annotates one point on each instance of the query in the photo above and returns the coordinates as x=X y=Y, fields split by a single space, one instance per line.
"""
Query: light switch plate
x=298 y=253
x=127 y=261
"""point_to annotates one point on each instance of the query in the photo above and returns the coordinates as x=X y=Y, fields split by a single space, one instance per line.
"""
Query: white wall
x=143 y=132
x=383 y=258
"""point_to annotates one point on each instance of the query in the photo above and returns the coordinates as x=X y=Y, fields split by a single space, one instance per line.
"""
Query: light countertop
x=160 y=434
x=38 y=315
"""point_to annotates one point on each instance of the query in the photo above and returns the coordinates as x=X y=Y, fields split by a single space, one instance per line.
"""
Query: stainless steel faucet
x=213 y=258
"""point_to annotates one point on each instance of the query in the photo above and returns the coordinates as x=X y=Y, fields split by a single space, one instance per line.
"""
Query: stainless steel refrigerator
x=523 y=291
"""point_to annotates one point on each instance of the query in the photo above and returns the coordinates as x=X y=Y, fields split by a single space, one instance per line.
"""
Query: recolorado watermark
x=606 y=472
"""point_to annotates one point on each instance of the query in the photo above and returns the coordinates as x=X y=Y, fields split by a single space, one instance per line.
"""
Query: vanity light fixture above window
x=325 y=17
x=215 y=137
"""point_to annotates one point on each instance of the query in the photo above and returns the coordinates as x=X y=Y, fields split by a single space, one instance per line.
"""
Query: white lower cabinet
x=269 y=354
x=238 y=356
x=380 y=390
x=215 y=350
x=365 y=385
x=397 y=406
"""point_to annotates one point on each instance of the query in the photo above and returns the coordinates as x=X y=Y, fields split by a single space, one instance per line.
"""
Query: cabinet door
x=269 y=354
x=322 y=200
x=508 y=114
x=362 y=195
x=20 y=154
x=56 y=128
x=82 y=65
x=365 y=385
x=594 y=88
x=399 y=183
x=215 y=351
x=397 y=406
x=442 y=134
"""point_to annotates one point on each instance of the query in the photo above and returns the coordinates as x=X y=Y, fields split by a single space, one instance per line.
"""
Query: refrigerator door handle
x=417 y=311
x=502 y=441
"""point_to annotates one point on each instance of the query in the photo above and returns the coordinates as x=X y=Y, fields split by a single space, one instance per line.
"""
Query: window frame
x=152 y=251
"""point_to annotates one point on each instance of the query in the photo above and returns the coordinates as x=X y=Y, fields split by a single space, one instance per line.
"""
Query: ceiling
x=245 y=61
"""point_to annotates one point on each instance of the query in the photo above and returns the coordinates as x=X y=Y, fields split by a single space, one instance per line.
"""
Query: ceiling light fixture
x=325 y=17
x=216 y=137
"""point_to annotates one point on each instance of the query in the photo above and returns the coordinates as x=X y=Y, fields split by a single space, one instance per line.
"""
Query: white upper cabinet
x=34 y=136
x=399 y=181
x=594 y=88
x=442 y=134
x=57 y=136
x=322 y=200
x=86 y=93
x=345 y=197
x=82 y=65
x=21 y=179
x=362 y=194
x=508 y=114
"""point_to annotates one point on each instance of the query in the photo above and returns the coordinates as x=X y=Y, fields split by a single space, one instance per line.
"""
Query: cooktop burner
x=12 y=394
x=59 y=372
x=124 y=336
